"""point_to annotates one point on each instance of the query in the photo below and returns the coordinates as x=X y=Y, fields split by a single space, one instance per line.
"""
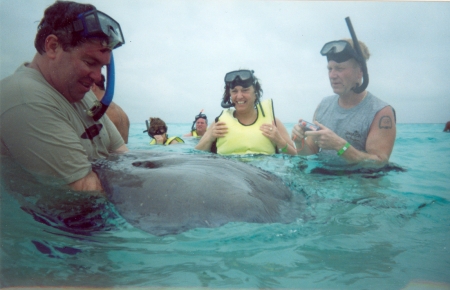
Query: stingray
x=169 y=193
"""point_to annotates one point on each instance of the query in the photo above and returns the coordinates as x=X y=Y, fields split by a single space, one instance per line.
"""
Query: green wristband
x=284 y=149
x=343 y=149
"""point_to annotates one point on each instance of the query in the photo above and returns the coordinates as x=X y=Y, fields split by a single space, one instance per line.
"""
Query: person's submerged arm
x=48 y=145
x=121 y=149
x=206 y=141
x=90 y=182
x=215 y=130
x=304 y=146
x=284 y=144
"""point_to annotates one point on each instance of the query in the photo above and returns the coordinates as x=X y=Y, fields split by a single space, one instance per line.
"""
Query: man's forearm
x=90 y=182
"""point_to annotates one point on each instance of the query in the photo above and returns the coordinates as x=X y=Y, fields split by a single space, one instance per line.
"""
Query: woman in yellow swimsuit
x=158 y=131
x=250 y=127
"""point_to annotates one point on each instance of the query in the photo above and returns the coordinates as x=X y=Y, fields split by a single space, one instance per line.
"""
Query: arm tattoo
x=385 y=122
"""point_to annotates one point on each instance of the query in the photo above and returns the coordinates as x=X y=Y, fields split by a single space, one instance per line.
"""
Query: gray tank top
x=351 y=124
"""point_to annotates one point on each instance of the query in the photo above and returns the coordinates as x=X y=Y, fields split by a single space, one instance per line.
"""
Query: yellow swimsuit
x=178 y=139
x=246 y=139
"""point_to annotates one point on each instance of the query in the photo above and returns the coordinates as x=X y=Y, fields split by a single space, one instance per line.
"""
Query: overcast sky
x=177 y=52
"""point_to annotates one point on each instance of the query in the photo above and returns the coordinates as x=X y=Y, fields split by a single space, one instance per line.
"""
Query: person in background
x=447 y=127
x=199 y=126
x=248 y=128
x=354 y=125
x=44 y=124
x=158 y=131
x=114 y=111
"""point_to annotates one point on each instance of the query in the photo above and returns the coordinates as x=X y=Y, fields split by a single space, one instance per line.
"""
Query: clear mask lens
x=244 y=75
x=339 y=51
x=157 y=131
x=203 y=116
x=334 y=47
x=98 y=24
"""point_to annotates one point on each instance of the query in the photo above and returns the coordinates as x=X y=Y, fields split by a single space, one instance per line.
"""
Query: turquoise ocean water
x=363 y=230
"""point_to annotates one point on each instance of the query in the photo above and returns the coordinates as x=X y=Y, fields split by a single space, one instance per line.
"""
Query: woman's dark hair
x=157 y=122
x=58 y=20
x=256 y=85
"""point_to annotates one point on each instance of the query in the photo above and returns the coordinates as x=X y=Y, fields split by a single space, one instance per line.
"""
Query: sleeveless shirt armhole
x=214 y=147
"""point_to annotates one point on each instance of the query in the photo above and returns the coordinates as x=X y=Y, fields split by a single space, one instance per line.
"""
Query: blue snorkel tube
x=97 y=24
x=99 y=108
x=363 y=86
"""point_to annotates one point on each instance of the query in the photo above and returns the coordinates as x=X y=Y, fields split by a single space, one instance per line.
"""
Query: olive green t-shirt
x=45 y=133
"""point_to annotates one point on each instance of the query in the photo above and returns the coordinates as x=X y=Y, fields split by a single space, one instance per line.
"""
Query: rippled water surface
x=360 y=230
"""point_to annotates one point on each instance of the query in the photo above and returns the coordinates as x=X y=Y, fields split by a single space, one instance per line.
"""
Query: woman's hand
x=218 y=130
x=279 y=136
x=215 y=130
x=271 y=132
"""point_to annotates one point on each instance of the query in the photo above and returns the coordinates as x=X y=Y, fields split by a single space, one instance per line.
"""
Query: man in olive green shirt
x=44 y=124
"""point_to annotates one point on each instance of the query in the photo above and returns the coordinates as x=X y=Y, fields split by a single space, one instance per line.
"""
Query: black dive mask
x=152 y=131
x=235 y=78
x=339 y=51
x=95 y=23
x=200 y=115
x=203 y=116
x=157 y=130
x=242 y=78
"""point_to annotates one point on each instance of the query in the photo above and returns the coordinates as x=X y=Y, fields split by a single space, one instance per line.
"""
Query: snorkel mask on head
x=200 y=115
x=341 y=50
x=244 y=78
x=96 y=24
x=235 y=78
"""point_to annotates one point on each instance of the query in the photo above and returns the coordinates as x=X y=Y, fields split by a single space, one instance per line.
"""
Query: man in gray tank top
x=353 y=124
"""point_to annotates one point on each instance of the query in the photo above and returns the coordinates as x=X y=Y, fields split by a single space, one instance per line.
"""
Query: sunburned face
x=243 y=98
x=200 y=125
x=343 y=76
x=73 y=72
